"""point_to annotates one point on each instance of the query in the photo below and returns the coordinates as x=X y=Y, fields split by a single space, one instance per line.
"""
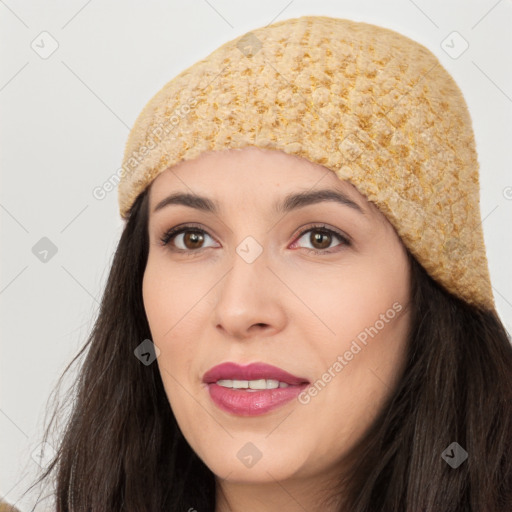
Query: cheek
x=344 y=304
x=163 y=313
x=155 y=298
x=364 y=356
x=373 y=325
x=175 y=328
x=169 y=296
x=358 y=377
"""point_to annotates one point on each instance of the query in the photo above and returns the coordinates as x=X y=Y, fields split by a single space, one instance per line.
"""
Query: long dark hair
x=122 y=450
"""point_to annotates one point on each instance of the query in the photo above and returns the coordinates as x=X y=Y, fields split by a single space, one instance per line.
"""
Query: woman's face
x=250 y=289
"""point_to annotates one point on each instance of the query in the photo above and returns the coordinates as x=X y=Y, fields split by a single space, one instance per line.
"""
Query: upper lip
x=253 y=371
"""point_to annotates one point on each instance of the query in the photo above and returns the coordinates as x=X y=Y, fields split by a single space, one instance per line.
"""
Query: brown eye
x=321 y=239
x=186 y=239
x=192 y=239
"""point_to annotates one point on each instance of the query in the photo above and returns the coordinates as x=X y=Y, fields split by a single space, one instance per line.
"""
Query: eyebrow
x=290 y=202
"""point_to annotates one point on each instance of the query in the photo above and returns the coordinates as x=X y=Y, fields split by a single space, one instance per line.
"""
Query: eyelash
x=173 y=232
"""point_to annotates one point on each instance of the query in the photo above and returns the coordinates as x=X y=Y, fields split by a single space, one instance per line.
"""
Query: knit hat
x=373 y=106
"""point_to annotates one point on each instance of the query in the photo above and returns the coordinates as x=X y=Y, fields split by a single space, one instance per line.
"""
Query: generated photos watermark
x=343 y=360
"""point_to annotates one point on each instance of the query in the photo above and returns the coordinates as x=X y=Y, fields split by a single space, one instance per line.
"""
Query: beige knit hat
x=373 y=106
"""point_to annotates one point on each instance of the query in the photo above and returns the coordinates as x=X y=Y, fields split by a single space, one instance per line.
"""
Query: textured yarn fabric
x=373 y=106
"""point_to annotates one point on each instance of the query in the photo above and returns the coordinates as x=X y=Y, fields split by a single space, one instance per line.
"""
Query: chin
x=244 y=462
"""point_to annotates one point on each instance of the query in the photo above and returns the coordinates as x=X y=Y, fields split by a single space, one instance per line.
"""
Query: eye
x=193 y=237
x=321 y=238
x=191 y=241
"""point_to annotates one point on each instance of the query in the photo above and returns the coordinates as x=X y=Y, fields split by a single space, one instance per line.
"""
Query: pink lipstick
x=253 y=389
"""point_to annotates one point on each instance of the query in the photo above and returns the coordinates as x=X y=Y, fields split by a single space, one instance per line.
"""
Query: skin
x=290 y=308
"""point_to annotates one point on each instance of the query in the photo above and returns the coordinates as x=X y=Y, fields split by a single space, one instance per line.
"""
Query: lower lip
x=252 y=403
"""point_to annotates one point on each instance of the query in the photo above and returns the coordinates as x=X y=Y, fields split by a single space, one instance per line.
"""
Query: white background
x=64 y=122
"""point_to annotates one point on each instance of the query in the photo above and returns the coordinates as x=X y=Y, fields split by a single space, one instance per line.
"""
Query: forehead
x=249 y=170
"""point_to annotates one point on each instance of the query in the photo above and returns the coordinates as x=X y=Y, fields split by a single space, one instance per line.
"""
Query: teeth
x=252 y=384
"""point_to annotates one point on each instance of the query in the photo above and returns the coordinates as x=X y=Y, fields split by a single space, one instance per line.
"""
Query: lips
x=252 y=402
x=254 y=371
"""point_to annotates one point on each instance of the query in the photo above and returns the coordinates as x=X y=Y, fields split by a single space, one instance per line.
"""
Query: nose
x=248 y=299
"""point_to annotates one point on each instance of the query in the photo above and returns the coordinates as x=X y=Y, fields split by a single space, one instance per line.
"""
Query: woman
x=234 y=368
